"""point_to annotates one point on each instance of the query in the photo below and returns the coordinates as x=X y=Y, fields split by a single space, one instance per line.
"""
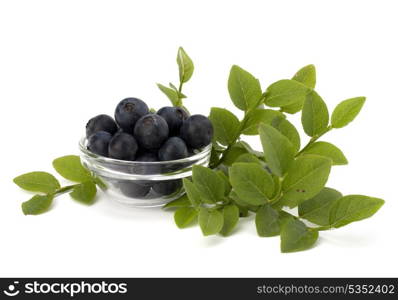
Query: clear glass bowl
x=142 y=184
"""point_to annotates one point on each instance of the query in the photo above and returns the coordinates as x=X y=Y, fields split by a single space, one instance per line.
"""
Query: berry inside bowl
x=142 y=184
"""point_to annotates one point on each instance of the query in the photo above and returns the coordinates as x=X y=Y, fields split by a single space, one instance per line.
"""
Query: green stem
x=321 y=228
x=313 y=140
x=180 y=91
x=64 y=190
x=279 y=194
x=275 y=200
x=180 y=87
x=226 y=151
x=241 y=126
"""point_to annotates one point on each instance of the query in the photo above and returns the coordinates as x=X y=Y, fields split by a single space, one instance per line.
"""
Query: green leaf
x=315 y=115
x=277 y=185
x=41 y=182
x=170 y=93
x=244 y=89
x=249 y=149
x=181 y=95
x=267 y=221
x=241 y=203
x=293 y=108
x=346 y=111
x=185 y=65
x=251 y=182
x=317 y=209
x=214 y=156
x=192 y=192
x=327 y=150
x=295 y=236
x=183 y=201
x=243 y=211
x=71 y=168
x=185 y=216
x=225 y=124
x=173 y=86
x=353 y=208
x=208 y=183
x=278 y=150
x=249 y=158
x=306 y=178
x=84 y=192
x=257 y=116
x=210 y=221
x=288 y=130
x=233 y=153
x=37 y=205
x=98 y=181
x=231 y=218
x=227 y=185
x=307 y=76
x=285 y=92
x=285 y=217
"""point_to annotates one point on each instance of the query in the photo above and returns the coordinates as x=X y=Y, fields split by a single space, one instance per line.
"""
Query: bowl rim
x=102 y=159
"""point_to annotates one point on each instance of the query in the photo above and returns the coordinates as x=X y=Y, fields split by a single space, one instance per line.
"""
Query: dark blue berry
x=167 y=187
x=148 y=156
x=146 y=169
x=197 y=131
x=151 y=131
x=98 y=142
x=100 y=123
x=128 y=111
x=173 y=148
x=174 y=116
x=123 y=146
x=134 y=189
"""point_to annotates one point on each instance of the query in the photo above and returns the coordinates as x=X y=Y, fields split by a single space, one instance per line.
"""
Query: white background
x=62 y=62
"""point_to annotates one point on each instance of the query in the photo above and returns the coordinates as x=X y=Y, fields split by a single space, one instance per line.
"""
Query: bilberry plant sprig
x=185 y=69
x=48 y=187
x=284 y=175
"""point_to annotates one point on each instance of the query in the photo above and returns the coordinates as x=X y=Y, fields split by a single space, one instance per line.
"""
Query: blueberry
x=167 y=187
x=100 y=123
x=146 y=169
x=173 y=148
x=134 y=189
x=197 y=131
x=128 y=111
x=174 y=116
x=148 y=156
x=151 y=131
x=99 y=142
x=123 y=146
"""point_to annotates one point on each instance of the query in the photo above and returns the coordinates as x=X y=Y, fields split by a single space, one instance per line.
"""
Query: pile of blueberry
x=136 y=134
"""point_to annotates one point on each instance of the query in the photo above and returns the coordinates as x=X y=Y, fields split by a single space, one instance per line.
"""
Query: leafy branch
x=242 y=180
x=48 y=187
x=185 y=69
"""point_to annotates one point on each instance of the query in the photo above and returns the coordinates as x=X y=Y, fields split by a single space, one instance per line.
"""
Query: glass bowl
x=142 y=184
